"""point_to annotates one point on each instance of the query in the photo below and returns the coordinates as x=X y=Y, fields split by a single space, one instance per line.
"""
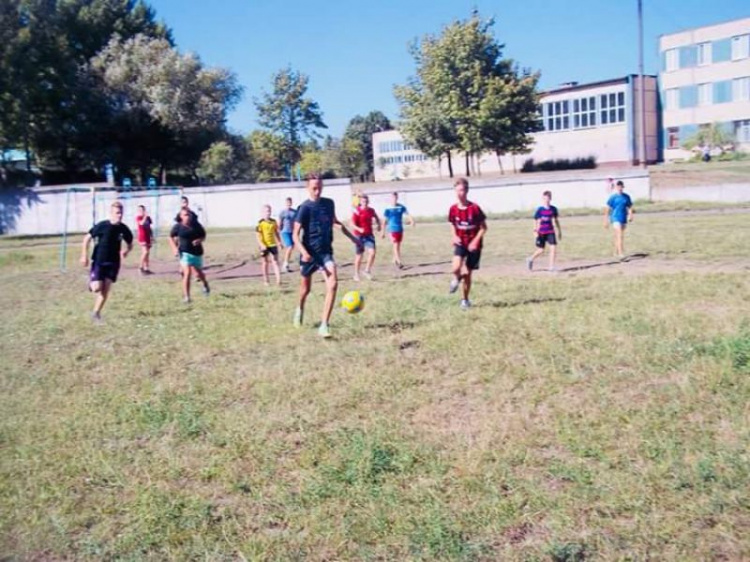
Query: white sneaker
x=529 y=264
x=453 y=287
x=356 y=278
x=465 y=304
x=368 y=275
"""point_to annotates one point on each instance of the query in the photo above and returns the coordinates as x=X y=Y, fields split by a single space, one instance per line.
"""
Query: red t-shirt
x=144 y=229
x=362 y=219
x=466 y=222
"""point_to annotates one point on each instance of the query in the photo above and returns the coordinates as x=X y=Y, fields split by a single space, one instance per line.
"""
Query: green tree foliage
x=267 y=155
x=358 y=135
x=713 y=136
x=465 y=96
x=225 y=162
x=286 y=112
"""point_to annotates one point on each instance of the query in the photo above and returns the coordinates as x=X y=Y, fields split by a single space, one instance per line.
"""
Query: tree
x=286 y=112
x=267 y=155
x=465 y=95
x=226 y=161
x=361 y=129
x=712 y=136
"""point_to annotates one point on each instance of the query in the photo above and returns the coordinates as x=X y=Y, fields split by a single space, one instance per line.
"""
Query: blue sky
x=355 y=51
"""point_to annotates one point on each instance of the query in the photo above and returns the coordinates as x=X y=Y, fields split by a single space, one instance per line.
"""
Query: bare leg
x=467 y=283
x=357 y=265
x=276 y=271
x=264 y=268
x=619 y=243
x=397 y=253
x=370 y=260
x=201 y=276
x=288 y=254
x=457 y=266
x=147 y=258
x=101 y=296
x=304 y=289
x=538 y=252
x=552 y=255
x=332 y=285
x=186 y=275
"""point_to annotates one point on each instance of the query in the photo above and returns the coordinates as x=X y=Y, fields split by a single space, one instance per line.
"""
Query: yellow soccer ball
x=353 y=302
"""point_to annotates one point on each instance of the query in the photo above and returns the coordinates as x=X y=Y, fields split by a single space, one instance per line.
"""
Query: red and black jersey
x=466 y=221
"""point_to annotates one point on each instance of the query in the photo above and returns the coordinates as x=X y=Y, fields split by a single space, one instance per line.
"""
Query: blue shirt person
x=619 y=212
x=394 y=219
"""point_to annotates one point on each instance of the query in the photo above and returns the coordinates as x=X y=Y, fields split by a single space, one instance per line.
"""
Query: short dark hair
x=395 y=193
x=462 y=181
x=619 y=182
x=547 y=193
x=185 y=199
x=142 y=207
x=313 y=177
x=289 y=199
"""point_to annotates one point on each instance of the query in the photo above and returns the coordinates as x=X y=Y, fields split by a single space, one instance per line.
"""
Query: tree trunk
x=500 y=162
x=515 y=169
x=163 y=174
x=450 y=164
x=466 y=161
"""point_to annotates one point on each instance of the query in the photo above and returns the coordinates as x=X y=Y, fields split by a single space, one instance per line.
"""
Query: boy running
x=286 y=219
x=105 y=260
x=145 y=238
x=362 y=219
x=267 y=232
x=394 y=220
x=186 y=239
x=619 y=211
x=546 y=218
x=469 y=226
x=313 y=235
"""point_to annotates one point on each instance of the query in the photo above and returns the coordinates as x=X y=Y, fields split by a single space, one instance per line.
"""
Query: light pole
x=642 y=82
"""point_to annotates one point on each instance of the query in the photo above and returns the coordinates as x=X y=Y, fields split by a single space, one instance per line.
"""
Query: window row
x=702 y=54
x=394 y=146
x=709 y=93
x=404 y=159
x=583 y=113
x=676 y=136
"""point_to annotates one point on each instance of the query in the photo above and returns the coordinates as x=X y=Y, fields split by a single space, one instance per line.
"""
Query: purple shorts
x=102 y=271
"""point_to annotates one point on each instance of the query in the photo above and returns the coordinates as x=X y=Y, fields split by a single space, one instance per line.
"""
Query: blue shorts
x=287 y=239
x=190 y=260
x=365 y=242
x=317 y=261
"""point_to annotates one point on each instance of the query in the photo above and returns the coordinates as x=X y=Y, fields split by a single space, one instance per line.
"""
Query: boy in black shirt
x=186 y=239
x=105 y=260
x=313 y=235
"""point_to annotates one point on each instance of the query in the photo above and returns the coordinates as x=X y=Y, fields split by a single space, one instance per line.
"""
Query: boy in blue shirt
x=286 y=220
x=619 y=211
x=394 y=220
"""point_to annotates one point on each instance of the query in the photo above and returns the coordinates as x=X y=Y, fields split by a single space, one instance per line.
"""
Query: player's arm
x=355 y=229
x=128 y=237
x=298 y=242
x=378 y=222
x=173 y=241
x=85 y=249
x=277 y=236
x=412 y=223
x=606 y=216
x=201 y=237
x=259 y=237
x=345 y=231
x=558 y=227
x=474 y=244
x=631 y=212
x=537 y=224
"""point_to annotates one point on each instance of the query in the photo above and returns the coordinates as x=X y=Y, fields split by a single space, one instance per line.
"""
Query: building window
x=612 y=108
x=742 y=131
x=672 y=60
x=672 y=98
x=673 y=137
x=740 y=47
x=723 y=91
x=558 y=116
x=704 y=54
x=741 y=89
x=584 y=113
x=705 y=92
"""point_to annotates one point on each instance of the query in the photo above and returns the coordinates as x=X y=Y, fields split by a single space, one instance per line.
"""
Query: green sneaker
x=298 y=318
x=324 y=331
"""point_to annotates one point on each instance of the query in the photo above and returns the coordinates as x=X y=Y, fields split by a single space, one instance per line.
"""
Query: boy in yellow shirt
x=267 y=232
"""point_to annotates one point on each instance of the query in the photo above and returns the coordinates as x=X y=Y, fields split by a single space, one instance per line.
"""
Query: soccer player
x=105 y=260
x=185 y=204
x=267 y=232
x=286 y=219
x=469 y=226
x=394 y=220
x=145 y=238
x=546 y=218
x=362 y=220
x=313 y=235
x=619 y=211
x=186 y=239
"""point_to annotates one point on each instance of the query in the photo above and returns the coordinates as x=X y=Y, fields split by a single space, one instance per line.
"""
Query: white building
x=580 y=120
x=705 y=79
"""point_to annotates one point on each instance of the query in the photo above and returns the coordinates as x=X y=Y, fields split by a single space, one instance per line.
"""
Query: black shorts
x=317 y=261
x=273 y=250
x=472 y=258
x=102 y=271
x=543 y=239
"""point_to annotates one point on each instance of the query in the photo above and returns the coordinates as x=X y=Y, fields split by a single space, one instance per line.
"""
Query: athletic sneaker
x=368 y=275
x=186 y=300
x=529 y=264
x=206 y=289
x=356 y=278
x=96 y=318
x=324 y=331
x=465 y=304
x=453 y=287
x=298 y=318
x=287 y=268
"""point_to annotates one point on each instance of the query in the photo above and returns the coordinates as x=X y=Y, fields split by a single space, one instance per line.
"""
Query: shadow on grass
x=626 y=259
x=504 y=304
x=393 y=327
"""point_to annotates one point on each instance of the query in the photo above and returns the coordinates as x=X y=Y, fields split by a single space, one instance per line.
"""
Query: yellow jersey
x=268 y=230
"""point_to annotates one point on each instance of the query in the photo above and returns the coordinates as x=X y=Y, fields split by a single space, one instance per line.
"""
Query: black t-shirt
x=316 y=221
x=187 y=234
x=193 y=216
x=109 y=239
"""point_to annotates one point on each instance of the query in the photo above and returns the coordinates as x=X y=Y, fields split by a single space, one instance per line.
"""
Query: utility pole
x=642 y=84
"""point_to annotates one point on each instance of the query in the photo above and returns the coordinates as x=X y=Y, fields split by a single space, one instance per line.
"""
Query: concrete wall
x=499 y=195
x=727 y=193
x=38 y=211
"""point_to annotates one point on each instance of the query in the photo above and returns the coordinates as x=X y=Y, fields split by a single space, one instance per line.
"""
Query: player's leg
x=358 y=260
x=275 y=264
x=466 y=287
x=397 y=253
x=186 y=277
x=288 y=248
x=200 y=274
x=456 y=269
x=618 y=229
x=552 y=256
x=147 y=258
x=332 y=285
x=264 y=265
x=101 y=297
x=539 y=243
x=305 y=283
x=371 y=251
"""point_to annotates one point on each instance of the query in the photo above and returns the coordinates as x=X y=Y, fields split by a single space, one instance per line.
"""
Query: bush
x=559 y=164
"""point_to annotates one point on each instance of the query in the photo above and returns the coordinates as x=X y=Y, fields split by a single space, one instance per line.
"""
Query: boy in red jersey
x=362 y=219
x=469 y=226
x=145 y=238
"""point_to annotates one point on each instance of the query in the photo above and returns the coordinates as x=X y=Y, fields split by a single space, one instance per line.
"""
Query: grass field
x=599 y=414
